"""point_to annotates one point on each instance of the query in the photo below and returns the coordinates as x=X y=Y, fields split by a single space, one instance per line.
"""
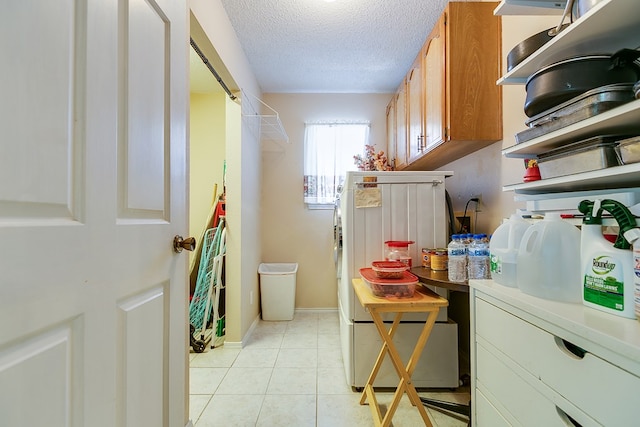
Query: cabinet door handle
x=571 y=348
x=422 y=143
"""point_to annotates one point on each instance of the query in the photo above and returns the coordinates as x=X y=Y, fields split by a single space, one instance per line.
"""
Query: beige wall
x=214 y=34
x=267 y=221
x=290 y=231
x=206 y=156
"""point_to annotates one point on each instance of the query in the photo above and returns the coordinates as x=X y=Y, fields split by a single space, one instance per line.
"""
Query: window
x=328 y=154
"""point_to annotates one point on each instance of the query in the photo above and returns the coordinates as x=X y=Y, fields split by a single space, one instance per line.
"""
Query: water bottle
x=457 y=259
x=486 y=254
x=466 y=240
x=478 y=263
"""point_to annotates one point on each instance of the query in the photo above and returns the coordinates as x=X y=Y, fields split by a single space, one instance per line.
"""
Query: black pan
x=525 y=48
x=564 y=80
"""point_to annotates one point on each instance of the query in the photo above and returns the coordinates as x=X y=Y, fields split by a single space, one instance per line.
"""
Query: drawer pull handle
x=571 y=348
x=570 y=422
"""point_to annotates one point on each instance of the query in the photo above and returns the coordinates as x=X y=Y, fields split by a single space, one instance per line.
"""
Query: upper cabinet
x=391 y=128
x=453 y=104
x=608 y=26
x=400 y=149
x=434 y=57
x=415 y=109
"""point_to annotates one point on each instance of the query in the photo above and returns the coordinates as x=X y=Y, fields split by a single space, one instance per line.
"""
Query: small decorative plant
x=372 y=161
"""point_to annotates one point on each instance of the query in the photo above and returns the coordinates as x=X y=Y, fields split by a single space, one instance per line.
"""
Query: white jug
x=549 y=260
x=503 y=248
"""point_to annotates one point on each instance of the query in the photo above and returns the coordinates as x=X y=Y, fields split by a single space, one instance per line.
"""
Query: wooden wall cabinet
x=455 y=108
x=391 y=130
x=415 y=110
x=400 y=149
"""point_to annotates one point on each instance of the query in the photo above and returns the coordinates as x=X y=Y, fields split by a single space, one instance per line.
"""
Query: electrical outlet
x=479 y=203
x=465 y=224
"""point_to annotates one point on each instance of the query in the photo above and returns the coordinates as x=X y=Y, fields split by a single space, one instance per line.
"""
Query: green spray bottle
x=608 y=269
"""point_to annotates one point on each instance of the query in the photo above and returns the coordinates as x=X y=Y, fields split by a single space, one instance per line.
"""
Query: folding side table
x=423 y=300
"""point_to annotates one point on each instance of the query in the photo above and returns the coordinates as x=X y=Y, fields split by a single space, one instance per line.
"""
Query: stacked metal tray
x=581 y=156
x=582 y=107
x=628 y=150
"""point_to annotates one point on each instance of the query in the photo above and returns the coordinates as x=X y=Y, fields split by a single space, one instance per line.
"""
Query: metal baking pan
x=628 y=150
x=582 y=156
x=582 y=107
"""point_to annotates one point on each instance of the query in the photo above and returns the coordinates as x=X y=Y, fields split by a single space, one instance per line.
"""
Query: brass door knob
x=179 y=243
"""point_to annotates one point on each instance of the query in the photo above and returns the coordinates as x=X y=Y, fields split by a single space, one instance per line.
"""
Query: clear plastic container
x=389 y=269
x=390 y=288
x=398 y=250
x=503 y=250
x=549 y=260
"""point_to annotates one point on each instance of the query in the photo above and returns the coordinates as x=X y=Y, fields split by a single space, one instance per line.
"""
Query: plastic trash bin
x=278 y=290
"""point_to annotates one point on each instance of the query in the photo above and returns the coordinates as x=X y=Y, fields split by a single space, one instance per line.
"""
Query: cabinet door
x=434 y=83
x=401 y=127
x=391 y=130
x=415 y=110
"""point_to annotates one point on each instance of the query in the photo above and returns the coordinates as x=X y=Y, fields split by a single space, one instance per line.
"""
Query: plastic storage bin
x=390 y=288
x=278 y=290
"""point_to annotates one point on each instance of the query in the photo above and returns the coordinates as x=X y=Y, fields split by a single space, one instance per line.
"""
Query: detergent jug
x=608 y=269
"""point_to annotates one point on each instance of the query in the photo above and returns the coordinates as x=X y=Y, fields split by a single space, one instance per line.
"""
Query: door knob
x=179 y=243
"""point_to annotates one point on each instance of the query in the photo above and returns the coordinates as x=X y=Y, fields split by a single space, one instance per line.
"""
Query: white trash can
x=278 y=290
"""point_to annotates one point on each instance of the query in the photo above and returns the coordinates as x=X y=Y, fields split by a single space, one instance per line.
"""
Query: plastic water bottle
x=478 y=263
x=457 y=259
x=466 y=240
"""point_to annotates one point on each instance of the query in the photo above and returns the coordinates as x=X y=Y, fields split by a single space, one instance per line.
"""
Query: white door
x=93 y=310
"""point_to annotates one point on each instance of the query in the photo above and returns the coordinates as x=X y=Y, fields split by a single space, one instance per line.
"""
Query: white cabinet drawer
x=605 y=392
x=486 y=413
x=524 y=404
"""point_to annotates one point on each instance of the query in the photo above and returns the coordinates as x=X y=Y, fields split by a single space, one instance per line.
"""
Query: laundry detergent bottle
x=607 y=269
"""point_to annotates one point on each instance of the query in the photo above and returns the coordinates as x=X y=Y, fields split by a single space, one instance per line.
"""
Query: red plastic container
x=389 y=269
x=390 y=288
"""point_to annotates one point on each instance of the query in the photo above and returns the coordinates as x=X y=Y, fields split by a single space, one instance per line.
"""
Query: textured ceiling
x=344 y=46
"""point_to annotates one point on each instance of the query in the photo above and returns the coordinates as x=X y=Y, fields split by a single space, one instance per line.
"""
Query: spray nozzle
x=625 y=219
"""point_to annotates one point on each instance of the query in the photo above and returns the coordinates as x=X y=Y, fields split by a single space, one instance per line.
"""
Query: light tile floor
x=291 y=374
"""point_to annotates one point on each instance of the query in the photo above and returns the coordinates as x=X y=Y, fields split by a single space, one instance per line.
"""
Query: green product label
x=604 y=283
x=496 y=264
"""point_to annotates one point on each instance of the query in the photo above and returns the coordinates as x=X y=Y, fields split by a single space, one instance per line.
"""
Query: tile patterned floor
x=291 y=374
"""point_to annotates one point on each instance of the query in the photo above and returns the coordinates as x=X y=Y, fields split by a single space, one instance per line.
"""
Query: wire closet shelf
x=267 y=118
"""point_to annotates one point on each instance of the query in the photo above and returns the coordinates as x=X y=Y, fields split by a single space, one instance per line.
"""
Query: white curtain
x=329 y=149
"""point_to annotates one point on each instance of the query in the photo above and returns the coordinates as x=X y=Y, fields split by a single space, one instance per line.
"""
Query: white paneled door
x=93 y=299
